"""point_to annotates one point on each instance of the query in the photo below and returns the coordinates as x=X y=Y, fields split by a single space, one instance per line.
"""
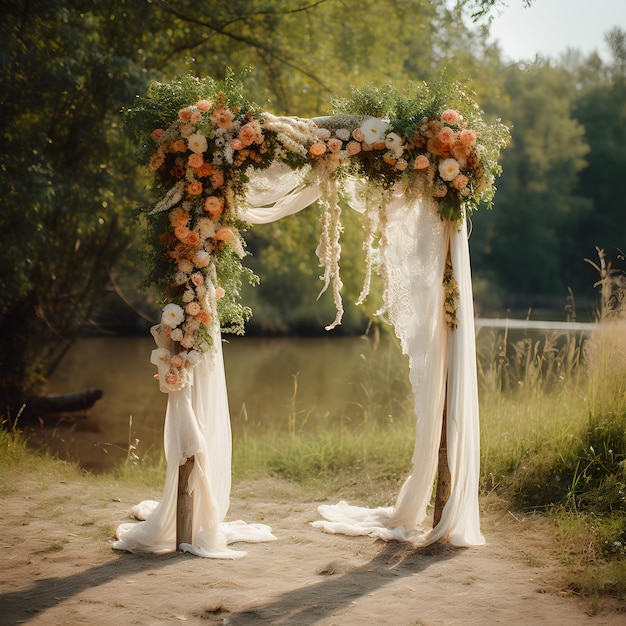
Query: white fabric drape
x=197 y=419
x=197 y=423
x=418 y=242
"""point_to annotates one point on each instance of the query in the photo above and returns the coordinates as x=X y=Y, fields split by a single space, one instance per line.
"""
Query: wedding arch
x=415 y=164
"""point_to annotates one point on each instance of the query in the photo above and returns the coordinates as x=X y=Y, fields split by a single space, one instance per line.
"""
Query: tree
x=65 y=183
x=519 y=248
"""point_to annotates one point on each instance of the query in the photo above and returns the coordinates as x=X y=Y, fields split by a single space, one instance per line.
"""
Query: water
x=262 y=375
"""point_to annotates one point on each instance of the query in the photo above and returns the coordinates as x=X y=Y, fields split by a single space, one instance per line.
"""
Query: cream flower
x=172 y=315
x=394 y=143
x=197 y=143
x=449 y=169
x=177 y=334
x=374 y=130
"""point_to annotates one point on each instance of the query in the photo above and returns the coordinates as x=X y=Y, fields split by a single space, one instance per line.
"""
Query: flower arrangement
x=201 y=140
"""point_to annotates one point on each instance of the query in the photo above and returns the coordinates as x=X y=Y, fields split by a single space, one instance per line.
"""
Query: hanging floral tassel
x=329 y=249
x=383 y=244
x=370 y=217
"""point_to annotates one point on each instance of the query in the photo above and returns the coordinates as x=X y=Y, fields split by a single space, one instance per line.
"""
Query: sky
x=550 y=27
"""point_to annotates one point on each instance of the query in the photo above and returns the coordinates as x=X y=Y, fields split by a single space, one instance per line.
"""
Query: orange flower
x=353 y=147
x=236 y=144
x=194 y=189
x=181 y=232
x=178 y=146
x=171 y=378
x=214 y=205
x=334 y=145
x=206 y=169
x=193 y=239
x=247 y=134
x=450 y=116
x=185 y=114
x=224 y=234
x=203 y=105
x=177 y=361
x=446 y=135
x=193 y=308
x=422 y=162
x=205 y=318
x=317 y=149
x=195 y=160
x=460 y=181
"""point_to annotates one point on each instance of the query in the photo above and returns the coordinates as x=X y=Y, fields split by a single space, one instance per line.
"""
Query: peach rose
x=353 y=147
x=440 y=191
x=460 y=182
x=193 y=308
x=193 y=239
x=335 y=145
x=236 y=144
x=171 y=377
x=450 y=116
x=214 y=205
x=181 y=232
x=317 y=149
x=219 y=293
x=421 y=162
x=358 y=134
x=196 y=116
x=194 y=189
x=197 y=279
x=247 y=134
x=224 y=234
x=185 y=114
x=203 y=105
x=446 y=135
x=177 y=361
x=205 y=318
x=467 y=137
x=195 y=160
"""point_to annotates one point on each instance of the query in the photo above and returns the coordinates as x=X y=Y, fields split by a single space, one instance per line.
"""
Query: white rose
x=449 y=169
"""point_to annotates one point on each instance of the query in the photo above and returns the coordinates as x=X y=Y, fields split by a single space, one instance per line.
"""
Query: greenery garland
x=201 y=138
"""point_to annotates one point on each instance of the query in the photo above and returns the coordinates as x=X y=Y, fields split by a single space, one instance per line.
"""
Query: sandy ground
x=57 y=567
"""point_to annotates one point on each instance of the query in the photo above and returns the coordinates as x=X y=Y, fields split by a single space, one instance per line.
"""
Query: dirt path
x=57 y=567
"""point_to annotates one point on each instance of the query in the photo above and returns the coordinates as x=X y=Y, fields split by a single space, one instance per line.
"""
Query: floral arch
x=415 y=165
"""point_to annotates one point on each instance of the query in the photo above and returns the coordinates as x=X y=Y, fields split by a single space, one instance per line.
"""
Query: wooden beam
x=184 y=505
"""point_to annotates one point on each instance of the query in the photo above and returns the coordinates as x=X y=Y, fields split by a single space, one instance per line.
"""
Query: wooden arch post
x=442 y=494
x=184 y=505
